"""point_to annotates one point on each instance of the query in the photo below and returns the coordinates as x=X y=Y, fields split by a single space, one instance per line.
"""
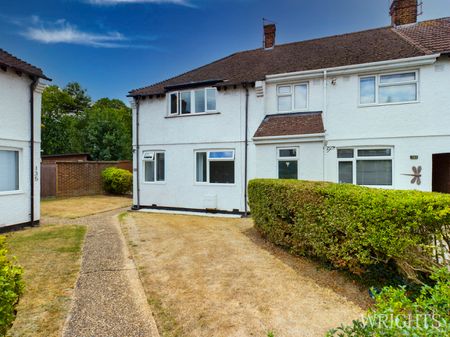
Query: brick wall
x=403 y=12
x=83 y=178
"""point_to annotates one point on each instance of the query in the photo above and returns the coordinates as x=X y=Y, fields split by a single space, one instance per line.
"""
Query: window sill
x=385 y=104
x=294 y=111
x=11 y=192
x=215 y=184
x=154 y=182
x=194 y=114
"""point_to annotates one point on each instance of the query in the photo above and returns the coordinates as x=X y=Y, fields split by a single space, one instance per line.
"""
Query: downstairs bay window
x=214 y=167
x=154 y=166
x=365 y=166
x=9 y=170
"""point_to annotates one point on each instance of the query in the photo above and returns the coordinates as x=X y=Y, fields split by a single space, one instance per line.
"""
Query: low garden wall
x=353 y=227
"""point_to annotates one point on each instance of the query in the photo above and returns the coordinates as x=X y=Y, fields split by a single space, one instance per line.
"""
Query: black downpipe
x=138 y=188
x=246 y=152
x=32 y=88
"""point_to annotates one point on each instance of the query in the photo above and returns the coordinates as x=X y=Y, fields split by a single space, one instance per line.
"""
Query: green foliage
x=108 y=130
x=117 y=181
x=351 y=227
x=11 y=287
x=72 y=124
x=396 y=314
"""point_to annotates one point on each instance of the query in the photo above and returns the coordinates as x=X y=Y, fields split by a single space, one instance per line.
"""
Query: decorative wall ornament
x=416 y=175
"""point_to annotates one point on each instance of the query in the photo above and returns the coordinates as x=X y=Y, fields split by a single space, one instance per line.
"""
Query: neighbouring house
x=369 y=108
x=21 y=88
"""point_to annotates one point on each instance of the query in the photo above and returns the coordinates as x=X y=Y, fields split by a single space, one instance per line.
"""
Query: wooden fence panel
x=48 y=180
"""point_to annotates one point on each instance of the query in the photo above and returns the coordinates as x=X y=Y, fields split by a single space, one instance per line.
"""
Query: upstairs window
x=365 y=166
x=154 y=166
x=389 y=88
x=192 y=101
x=9 y=171
x=214 y=167
x=292 y=97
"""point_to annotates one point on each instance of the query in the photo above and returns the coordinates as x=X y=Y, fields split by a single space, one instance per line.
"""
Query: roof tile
x=290 y=124
x=9 y=60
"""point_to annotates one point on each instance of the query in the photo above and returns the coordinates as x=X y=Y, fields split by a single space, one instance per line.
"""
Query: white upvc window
x=192 y=101
x=287 y=158
x=9 y=170
x=215 y=166
x=154 y=166
x=365 y=166
x=292 y=97
x=389 y=88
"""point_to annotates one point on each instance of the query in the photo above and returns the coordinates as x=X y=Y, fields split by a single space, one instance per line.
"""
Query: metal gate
x=48 y=180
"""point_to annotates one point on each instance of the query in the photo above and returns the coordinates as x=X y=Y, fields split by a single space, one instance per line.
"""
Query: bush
x=352 y=227
x=117 y=181
x=396 y=314
x=11 y=287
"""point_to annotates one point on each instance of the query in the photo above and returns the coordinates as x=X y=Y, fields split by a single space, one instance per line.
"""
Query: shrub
x=117 y=181
x=396 y=314
x=11 y=287
x=352 y=227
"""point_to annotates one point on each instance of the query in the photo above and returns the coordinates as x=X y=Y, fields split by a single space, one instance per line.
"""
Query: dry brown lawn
x=82 y=206
x=50 y=256
x=209 y=277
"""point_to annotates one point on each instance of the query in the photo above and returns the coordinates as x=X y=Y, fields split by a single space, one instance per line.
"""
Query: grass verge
x=50 y=256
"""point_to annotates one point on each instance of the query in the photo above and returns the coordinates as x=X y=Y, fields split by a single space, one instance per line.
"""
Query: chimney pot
x=269 y=35
x=403 y=12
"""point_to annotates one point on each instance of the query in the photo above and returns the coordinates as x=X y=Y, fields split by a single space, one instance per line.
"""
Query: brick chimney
x=403 y=12
x=269 y=35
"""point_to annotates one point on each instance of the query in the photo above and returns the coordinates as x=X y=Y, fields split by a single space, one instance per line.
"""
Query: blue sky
x=113 y=46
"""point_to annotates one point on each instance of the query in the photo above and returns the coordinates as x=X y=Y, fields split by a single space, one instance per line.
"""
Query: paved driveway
x=215 y=277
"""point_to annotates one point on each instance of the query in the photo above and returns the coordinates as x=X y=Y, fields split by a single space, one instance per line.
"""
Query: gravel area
x=109 y=299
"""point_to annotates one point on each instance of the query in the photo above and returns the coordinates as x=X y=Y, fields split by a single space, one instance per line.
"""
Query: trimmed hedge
x=352 y=227
x=11 y=287
x=117 y=181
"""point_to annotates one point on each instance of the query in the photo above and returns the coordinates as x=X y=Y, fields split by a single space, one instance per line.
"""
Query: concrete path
x=109 y=299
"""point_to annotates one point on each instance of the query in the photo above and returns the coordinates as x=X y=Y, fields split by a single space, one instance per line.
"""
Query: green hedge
x=11 y=287
x=351 y=227
x=117 y=181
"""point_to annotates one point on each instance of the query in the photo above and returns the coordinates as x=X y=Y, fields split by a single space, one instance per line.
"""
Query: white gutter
x=356 y=68
x=312 y=137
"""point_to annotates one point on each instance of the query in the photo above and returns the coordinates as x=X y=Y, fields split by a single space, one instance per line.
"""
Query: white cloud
x=118 y=2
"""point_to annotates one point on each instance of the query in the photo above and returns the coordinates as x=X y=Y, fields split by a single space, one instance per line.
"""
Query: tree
x=107 y=133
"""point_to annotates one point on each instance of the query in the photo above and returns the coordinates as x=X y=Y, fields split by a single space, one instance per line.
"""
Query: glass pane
x=221 y=172
x=160 y=169
x=200 y=101
x=284 y=89
x=288 y=169
x=374 y=172
x=345 y=153
x=301 y=96
x=398 y=93
x=173 y=104
x=284 y=103
x=9 y=170
x=346 y=172
x=221 y=155
x=374 y=152
x=201 y=166
x=367 y=90
x=288 y=152
x=149 y=171
x=395 y=78
x=185 y=102
x=211 y=99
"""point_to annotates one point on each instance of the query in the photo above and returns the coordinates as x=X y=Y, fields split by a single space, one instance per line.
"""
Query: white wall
x=15 y=135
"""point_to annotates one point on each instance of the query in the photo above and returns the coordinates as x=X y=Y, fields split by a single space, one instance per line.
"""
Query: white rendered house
x=20 y=115
x=369 y=108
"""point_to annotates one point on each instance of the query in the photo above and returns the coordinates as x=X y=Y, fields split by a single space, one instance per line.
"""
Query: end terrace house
x=20 y=115
x=370 y=108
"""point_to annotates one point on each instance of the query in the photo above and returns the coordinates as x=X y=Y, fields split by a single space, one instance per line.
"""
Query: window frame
x=193 y=102
x=19 y=171
x=208 y=160
x=378 y=84
x=356 y=157
x=296 y=158
x=155 y=167
x=292 y=95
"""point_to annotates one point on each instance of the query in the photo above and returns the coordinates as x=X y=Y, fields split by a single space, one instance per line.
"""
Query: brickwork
x=403 y=12
x=269 y=36
x=83 y=178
